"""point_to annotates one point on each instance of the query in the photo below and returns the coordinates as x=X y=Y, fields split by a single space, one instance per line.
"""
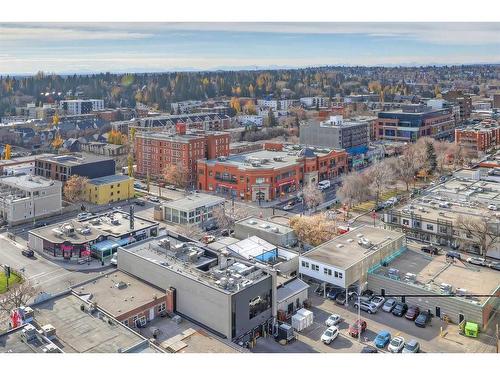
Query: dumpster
x=471 y=329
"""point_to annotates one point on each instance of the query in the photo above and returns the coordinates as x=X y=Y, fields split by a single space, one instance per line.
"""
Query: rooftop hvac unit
x=275 y=229
x=57 y=232
x=350 y=240
x=50 y=348
x=264 y=226
x=164 y=243
x=410 y=277
x=115 y=221
x=193 y=256
x=460 y=292
x=359 y=235
x=49 y=331
x=84 y=231
x=223 y=282
x=28 y=333
x=95 y=221
x=446 y=288
x=339 y=246
x=251 y=222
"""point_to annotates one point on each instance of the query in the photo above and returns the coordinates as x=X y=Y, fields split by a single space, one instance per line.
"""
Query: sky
x=155 y=47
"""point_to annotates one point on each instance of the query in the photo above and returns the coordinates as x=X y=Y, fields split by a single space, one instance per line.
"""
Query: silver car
x=378 y=301
x=389 y=305
x=411 y=346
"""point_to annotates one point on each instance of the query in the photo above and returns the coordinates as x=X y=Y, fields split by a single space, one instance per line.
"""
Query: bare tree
x=406 y=166
x=227 y=217
x=193 y=231
x=18 y=295
x=312 y=196
x=313 y=230
x=380 y=175
x=484 y=229
x=354 y=189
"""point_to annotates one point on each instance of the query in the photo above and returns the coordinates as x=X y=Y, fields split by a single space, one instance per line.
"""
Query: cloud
x=54 y=33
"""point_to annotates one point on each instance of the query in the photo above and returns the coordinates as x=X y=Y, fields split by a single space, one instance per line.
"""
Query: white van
x=114 y=259
x=325 y=184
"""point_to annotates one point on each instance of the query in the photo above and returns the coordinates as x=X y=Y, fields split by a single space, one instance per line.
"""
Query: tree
x=431 y=155
x=484 y=229
x=312 y=196
x=18 y=295
x=7 y=152
x=74 y=188
x=235 y=104
x=176 y=174
x=380 y=175
x=55 y=119
x=249 y=108
x=354 y=189
x=375 y=87
x=130 y=165
x=115 y=137
x=57 y=142
x=271 y=119
x=193 y=231
x=407 y=165
x=226 y=218
x=313 y=230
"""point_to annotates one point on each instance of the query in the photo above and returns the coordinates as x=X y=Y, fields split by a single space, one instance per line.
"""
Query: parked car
x=289 y=206
x=333 y=320
x=367 y=293
x=333 y=293
x=171 y=187
x=226 y=232
x=28 y=253
x=369 y=349
x=389 y=304
x=400 y=309
x=453 y=254
x=325 y=184
x=378 y=301
x=492 y=207
x=356 y=328
x=341 y=298
x=422 y=319
x=208 y=239
x=477 y=261
x=411 y=346
x=396 y=345
x=140 y=203
x=412 y=312
x=114 y=259
x=154 y=199
x=367 y=306
x=40 y=224
x=329 y=335
x=382 y=339
x=495 y=266
x=430 y=250
x=83 y=216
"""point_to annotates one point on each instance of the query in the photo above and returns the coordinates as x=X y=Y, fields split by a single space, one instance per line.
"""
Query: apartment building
x=62 y=167
x=414 y=121
x=154 y=151
x=107 y=189
x=266 y=175
x=479 y=138
x=463 y=100
x=26 y=198
x=315 y=101
x=335 y=133
x=81 y=106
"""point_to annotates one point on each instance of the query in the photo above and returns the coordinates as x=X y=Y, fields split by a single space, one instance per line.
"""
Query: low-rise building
x=315 y=101
x=27 y=198
x=435 y=216
x=62 y=167
x=98 y=236
x=267 y=175
x=68 y=323
x=108 y=189
x=276 y=234
x=230 y=297
x=345 y=260
x=479 y=138
x=81 y=106
x=104 y=149
x=193 y=209
x=336 y=133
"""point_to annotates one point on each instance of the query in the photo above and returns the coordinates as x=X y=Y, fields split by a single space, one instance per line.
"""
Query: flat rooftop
x=109 y=179
x=81 y=332
x=196 y=261
x=27 y=182
x=431 y=272
x=265 y=225
x=118 y=292
x=74 y=159
x=23 y=159
x=11 y=342
x=194 y=201
x=92 y=228
x=344 y=251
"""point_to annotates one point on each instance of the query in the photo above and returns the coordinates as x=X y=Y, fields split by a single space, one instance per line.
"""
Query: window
x=305 y=264
x=340 y=275
x=125 y=322
x=162 y=307
x=327 y=271
x=314 y=267
x=336 y=274
x=430 y=227
x=406 y=222
x=259 y=304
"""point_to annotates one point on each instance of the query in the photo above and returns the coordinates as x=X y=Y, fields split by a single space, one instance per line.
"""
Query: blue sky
x=139 y=47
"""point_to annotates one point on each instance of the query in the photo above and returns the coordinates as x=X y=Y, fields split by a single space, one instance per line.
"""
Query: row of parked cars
x=478 y=261
x=395 y=345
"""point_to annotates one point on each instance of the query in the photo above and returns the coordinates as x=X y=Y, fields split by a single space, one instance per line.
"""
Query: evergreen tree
x=431 y=156
x=271 y=119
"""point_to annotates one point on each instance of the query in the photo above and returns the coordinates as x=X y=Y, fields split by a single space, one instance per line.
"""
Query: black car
x=422 y=319
x=41 y=224
x=453 y=254
x=400 y=309
x=140 y=203
x=226 y=232
x=495 y=266
x=367 y=293
x=341 y=298
x=369 y=349
x=28 y=253
x=433 y=250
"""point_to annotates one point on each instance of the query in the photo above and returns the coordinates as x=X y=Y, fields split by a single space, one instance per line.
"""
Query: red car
x=359 y=326
x=412 y=312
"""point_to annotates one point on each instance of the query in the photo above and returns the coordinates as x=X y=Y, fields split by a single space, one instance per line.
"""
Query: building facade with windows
x=267 y=175
x=193 y=209
x=482 y=137
x=81 y=106
x=411 y=122
x=108 y=189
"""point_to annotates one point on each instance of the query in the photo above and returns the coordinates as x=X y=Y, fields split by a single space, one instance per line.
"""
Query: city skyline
x=159 y=47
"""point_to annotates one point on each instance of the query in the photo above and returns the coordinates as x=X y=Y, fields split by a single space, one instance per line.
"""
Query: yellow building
x=114 y=188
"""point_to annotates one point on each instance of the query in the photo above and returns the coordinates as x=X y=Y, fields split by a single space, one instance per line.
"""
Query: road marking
x=52 y=278
x=41 y=274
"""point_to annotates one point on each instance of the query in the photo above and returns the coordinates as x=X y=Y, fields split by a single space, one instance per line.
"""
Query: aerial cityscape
x=203 y=188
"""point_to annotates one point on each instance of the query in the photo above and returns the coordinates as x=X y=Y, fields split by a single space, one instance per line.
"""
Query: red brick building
x=154 y=151
x=480 y=138
x=269 y=174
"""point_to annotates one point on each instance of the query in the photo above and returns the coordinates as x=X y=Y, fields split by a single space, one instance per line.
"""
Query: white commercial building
x=81 y=106
x=313 y=101
x=25 y=198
